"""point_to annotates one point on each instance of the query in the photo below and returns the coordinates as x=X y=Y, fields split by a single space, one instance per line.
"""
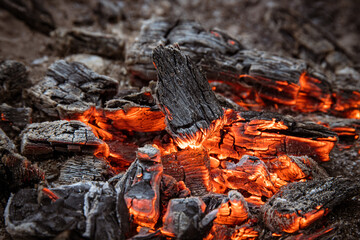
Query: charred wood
x=42 y=139
x=71 y=87
x=186 y=218
x=83 y=168
x=32 y=13
x=297 y=205
x=16 y=171
x=142 y=189
x=13 y=120
x=87 y=208
x=82 y=41
x=267 y=134
x=185 y=97
x=13 y=79
x=275 y=79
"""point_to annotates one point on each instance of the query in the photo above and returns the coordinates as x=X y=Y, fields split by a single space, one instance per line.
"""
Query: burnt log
x=298 y=205
x=71 y=87
x=82 y=41
x=32 y=13
x=185 y=97
x=43 y=139
x=13 y=80
x=86 y=208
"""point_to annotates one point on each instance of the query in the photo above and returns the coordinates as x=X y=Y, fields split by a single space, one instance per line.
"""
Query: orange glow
x=196 y=140
x=50 y=194
x=245 y=233
x=300 y=220
x=232 y=212
x=311 y=96
x=3 y=118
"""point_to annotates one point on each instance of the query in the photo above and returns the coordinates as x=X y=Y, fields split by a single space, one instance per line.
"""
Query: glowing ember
x=50 y=194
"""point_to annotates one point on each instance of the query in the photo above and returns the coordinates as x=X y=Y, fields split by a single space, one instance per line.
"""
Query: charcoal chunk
x=297 y=205
x=86 y=207
x=185 y=97
x=70 y=87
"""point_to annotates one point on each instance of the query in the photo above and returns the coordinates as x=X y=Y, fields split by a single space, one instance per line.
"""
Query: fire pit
x=130 y=125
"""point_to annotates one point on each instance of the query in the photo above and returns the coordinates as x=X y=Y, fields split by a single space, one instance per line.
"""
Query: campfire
x=200 y=138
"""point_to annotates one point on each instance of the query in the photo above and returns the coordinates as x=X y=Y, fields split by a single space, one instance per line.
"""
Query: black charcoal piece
x=185 y=97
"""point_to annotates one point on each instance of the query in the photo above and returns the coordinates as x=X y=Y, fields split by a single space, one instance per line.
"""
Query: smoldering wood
x=71 y=87
x=245 y=176
x=71 y=41
x=286 y=136
x=289 y=209
x=14 y=119
x=85 y=207
x=234 y=210
x=184 y=95
x=219 y=55
x=16 y=171
x=191 y=36
x=32 y=13
x=274 y=78
x=13 y=79
x=142 y=195
x=45 y=138
x=186 y=218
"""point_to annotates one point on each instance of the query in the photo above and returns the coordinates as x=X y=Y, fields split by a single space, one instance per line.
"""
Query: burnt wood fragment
x=194 y=40
x=297 y=205
x=59 y=136
x=15 y=170
x=32 y=13
x=142 y=187
x=185 y=97
x=250 y=175
x=13 y=79
x=85 y=207
x=268 y=134
x=220 y=56
x=84 y=168
x=82 y=41
x=13 y=120
x=234 y=210
x=185 y=218
x=196 y=166
x=71 y=87
x=274 y=79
